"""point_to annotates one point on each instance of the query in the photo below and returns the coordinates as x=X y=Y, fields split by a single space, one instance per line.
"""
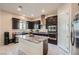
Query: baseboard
x=64 y=49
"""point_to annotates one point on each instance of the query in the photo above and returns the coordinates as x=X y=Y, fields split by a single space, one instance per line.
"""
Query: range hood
x=43 y=24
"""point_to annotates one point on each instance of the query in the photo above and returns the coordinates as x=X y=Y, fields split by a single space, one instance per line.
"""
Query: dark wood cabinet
x=15 y=23
x=51 y=21
x=30 y=25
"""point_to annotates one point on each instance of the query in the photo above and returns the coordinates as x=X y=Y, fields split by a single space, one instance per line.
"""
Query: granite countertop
x=35 y=39
x=24 y=33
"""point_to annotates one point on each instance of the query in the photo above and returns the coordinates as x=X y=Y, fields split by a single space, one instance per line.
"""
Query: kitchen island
x=36 y=45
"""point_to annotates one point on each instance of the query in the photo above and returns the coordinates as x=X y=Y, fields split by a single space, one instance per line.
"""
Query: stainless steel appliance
x=52 y=28
x=52 y=31
x=75 y=36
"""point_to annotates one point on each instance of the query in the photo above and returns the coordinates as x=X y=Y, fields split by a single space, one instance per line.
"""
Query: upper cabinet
x=51 y=21
x=15 y=23
x=30 y=25
x=34 y=24
x=22 y=24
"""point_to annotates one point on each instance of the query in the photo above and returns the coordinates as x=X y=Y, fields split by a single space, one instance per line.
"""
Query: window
x=36 y=26
x=23 y=25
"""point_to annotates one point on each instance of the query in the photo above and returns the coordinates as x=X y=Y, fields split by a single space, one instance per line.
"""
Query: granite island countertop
x=36 y=39
x=35 y=33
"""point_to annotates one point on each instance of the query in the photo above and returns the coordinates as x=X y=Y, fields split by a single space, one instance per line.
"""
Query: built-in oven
x=52 y=29
x=52 y=34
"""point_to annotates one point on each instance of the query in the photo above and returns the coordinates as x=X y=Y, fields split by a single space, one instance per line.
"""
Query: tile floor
x=55 y=50
x=75 y=50
x=52 y=49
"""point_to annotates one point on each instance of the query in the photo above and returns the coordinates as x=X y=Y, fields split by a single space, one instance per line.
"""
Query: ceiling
x=31 y=8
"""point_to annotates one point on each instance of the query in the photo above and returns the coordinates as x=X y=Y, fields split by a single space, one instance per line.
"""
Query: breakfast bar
x=33 y=45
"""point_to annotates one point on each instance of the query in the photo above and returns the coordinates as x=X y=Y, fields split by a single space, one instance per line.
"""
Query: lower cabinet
x=52 y=41
x=31 y=48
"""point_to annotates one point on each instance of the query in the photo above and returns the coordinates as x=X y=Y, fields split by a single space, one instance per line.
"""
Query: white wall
x=64 y=27
x=6 y=24
x=0 y=27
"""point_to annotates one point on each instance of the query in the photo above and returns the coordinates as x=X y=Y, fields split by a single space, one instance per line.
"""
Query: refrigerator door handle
x=72 y=39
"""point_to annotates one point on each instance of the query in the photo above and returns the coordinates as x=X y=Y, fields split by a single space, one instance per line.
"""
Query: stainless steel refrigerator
x=75 y=36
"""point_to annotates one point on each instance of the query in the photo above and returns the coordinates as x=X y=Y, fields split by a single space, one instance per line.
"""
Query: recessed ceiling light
x=19 y=8
x=43 y=11
x=32 y=15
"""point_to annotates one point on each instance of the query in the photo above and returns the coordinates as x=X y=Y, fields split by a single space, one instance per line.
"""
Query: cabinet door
x=30 y=25
x=54 y=20
x=51 y=21
x=15 y=23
